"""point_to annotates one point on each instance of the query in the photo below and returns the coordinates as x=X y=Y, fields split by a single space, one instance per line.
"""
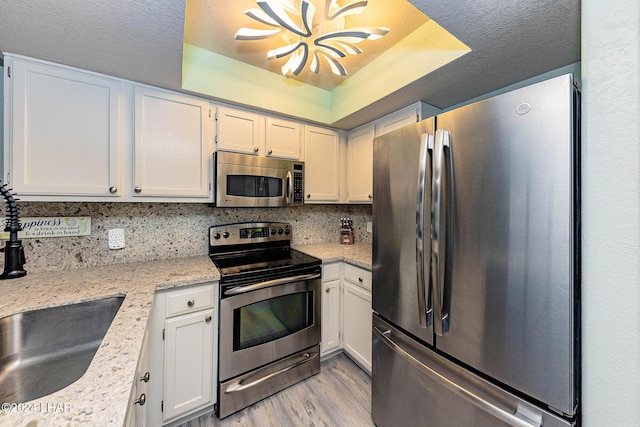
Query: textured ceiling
x=143 y=40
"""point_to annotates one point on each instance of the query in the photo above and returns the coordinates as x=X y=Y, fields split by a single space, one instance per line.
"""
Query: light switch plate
x=116 y=238
x=369 y=227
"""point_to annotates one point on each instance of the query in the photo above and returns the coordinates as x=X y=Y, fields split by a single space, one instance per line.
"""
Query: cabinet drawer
x=330 y=271
x=189 y=300
x=357 y=276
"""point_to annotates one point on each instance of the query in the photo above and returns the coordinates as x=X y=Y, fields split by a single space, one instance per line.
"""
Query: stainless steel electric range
x=269 y=312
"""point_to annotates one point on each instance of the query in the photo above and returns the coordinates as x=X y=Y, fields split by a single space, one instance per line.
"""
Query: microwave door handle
x=289 y=188
x=261 y=187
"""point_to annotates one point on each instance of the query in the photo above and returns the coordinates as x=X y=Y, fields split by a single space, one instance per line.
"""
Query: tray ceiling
x=143 y=41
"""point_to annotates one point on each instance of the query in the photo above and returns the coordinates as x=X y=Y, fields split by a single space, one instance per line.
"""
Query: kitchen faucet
x=14 y=258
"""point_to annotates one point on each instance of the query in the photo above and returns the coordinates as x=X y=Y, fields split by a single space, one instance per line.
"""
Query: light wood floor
x=340 y=395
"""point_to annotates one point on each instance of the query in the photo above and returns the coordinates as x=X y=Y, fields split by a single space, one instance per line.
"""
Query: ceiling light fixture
x=304 y=34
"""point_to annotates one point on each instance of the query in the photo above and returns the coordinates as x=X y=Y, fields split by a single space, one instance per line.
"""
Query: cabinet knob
x=208 y=319
x=141 y=400
x=113 y=190
x=308 y=196
x=145 y=377
x=270 y=151
x=328 y=290
x=191 y=303
x=360 y=279
x=256 y=149
x=370 y=196
x=137 y=190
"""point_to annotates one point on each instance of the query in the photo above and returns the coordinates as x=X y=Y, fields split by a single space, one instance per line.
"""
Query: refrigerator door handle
x=423 y=252
x=518 y=418
x=438 y=238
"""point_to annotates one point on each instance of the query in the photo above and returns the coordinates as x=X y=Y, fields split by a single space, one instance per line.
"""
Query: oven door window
x=254 y=186
x=268 y=320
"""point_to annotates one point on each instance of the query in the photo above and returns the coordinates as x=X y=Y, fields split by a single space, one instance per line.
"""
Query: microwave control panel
x=298 y=187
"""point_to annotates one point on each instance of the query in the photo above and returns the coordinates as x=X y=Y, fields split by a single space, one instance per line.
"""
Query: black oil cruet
x=14 y=258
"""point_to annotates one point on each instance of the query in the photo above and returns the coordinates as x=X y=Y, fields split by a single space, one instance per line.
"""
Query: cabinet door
x=357 y=324
x=360 y=165
x=64 y=131
x=282 y=138
x=322 y=165
x=141 y=386
x=171 y=150
x=397 y=120
x=238 y=131
x=188 y=381
x=330 y=317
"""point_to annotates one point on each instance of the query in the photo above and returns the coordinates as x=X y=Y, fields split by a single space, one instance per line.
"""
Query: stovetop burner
x=250 y=249
x=261 y=260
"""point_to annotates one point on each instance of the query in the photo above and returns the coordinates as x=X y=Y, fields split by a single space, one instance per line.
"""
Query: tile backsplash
x=169 y=230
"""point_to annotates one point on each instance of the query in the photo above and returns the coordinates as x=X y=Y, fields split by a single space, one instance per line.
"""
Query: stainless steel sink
x=43 y=351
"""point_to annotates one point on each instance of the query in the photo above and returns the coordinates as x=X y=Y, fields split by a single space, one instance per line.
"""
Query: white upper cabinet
x=283 y=138
x=360 y=148
x=171 y=153
x=400 y=118
x=63 y=130
x=246 y=132
x=322 y=165
x=239 y=131
x=360 y=165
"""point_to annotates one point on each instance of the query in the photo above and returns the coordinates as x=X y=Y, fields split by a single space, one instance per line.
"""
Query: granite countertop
x=101 y=396
x=358 y=254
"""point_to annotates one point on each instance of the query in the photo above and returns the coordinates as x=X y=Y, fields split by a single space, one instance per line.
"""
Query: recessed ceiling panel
x=212 y=25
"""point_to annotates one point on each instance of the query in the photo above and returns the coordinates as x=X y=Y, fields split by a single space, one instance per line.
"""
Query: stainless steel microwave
x=251 y=181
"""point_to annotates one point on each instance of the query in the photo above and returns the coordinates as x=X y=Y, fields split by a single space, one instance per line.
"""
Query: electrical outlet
x=116 y=238
x=369 y=227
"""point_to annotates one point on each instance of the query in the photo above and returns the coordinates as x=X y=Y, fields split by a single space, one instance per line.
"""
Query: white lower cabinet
x=137 y=412
x=346 y=312
x=330 y=308
x=356 y=317
x=188 y=363
x=182 y=354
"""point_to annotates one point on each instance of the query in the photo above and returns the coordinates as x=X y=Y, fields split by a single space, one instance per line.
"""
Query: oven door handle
x=268 y=283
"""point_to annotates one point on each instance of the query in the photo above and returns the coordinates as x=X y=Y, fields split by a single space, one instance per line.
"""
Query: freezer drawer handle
x=516 y=419
x=268 y=283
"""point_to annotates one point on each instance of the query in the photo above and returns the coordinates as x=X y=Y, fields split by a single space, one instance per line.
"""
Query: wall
x=168 y=230
x=611 y=213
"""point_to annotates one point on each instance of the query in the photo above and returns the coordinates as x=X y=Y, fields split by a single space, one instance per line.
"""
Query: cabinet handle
x=207 y=319
x=191 y=303
x=270 y=151
x=256 y=149
x=328 y=290
x=137 y=190
x=145 y=377
x=113 y=190
x=141 y=400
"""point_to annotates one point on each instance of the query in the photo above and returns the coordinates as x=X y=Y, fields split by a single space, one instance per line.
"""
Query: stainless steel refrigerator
x=476 y=264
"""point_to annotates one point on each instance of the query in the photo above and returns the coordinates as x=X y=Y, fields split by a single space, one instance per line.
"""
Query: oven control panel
x=249 y=232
